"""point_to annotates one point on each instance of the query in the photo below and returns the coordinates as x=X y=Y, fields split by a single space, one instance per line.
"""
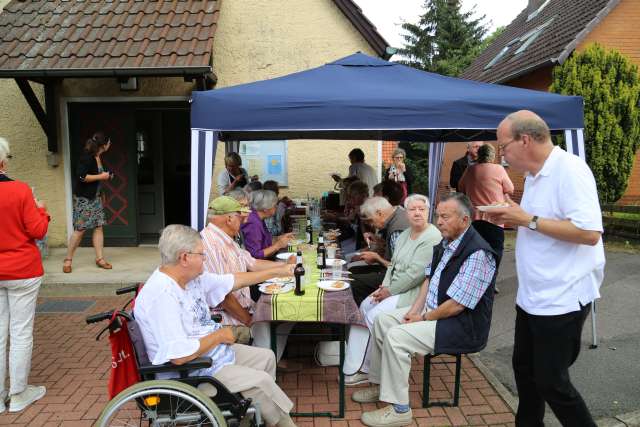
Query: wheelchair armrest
x=199 y=363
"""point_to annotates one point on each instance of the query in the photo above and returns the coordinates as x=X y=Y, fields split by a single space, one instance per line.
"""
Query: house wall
x=256 y=40
x=620 y=30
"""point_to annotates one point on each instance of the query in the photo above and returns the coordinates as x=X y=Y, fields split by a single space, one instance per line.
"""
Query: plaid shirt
x=470 y=283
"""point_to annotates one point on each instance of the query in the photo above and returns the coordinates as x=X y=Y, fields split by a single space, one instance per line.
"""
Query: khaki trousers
x=253 y=375
x=394 y=344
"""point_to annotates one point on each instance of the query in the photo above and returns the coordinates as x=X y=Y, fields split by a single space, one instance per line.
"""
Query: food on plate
x=274 y=288
x=499 y=205
x=338 y=285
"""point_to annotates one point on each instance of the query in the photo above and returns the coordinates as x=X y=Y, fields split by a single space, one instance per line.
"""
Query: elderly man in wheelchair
x=172 y=314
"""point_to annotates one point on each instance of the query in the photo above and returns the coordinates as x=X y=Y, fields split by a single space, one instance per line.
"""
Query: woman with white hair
x=24 y=220
x=400 y=286
x=257 y=238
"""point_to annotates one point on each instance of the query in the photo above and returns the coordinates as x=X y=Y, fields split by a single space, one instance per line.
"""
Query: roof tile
x=63 y=35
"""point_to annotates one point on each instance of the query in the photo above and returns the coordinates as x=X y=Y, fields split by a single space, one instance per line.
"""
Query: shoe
x=3 y=397
x=288 y=366
x=367 y=395
x=66 y=268
x=100 y=262
x=386 y=417
x=27 y=397
x=355 y=379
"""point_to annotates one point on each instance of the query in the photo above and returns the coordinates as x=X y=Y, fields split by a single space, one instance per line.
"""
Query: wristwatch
x=533 y=224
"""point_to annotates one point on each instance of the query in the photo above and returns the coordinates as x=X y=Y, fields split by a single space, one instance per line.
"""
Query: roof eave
x=521 y=72
x=354 y=14
x=107 y=72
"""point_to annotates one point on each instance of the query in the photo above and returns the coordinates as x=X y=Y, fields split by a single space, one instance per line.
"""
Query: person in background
x=24 y=220
x=172 y=312
x=222 y=256
x=485 y=182
x=360 y=170
x=560 y=264
x=459 y=166
x=253 y=186
x=390 y=221
x=400 y=173
x=377 y=190
x=274 y=223
x=88 y=210
x=400 y=286
x=393 y=192
x=233 y=176
x=257 y=239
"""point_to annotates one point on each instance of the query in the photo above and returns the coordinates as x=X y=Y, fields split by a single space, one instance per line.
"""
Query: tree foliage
x=610 y=86
x=444 y=41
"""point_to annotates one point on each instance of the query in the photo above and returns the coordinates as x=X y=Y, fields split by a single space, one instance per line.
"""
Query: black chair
x=494 y=236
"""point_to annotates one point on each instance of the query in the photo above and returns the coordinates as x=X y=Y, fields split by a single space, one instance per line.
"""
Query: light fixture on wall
x=128 y=83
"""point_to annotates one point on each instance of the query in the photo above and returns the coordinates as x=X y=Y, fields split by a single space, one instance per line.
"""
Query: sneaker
x=3 y=397
x=355 y=379
x=386 y=417
x=367 y=395
x=27 y=397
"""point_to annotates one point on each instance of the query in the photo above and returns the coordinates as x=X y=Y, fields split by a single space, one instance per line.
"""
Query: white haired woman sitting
x=400 y=286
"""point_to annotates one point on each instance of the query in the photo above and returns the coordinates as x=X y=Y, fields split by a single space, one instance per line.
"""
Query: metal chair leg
x=425 y=380
x=425 y=383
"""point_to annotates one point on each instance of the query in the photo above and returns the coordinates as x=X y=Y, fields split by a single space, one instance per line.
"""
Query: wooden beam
x=50 y=90
x=32 y=100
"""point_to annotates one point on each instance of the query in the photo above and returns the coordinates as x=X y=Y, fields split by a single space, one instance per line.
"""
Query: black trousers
x=544 y=349
x=366 y=279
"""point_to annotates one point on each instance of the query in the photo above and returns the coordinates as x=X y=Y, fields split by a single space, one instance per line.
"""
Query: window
x=501 y=54
x=538 y=10
x=530 y=37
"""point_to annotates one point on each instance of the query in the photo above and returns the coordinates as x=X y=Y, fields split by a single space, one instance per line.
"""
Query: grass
x=611 y=244
x=623 y=215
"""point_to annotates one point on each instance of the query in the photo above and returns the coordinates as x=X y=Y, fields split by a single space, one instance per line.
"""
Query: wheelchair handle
x=126 y=290
x=106 y=316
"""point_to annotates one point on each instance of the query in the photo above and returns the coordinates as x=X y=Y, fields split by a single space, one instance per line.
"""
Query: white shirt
x=555 y=276
x=172 y=319
x=364 y=173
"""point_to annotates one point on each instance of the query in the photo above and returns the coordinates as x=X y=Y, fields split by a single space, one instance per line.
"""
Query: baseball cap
x=225 y=204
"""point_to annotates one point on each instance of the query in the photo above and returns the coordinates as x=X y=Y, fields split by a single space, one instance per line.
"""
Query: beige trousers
x=254 y=376
x=394 y=344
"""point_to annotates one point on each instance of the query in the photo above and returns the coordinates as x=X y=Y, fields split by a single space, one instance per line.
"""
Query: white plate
x=285 y=255
x=276 y=288
x=333 y=285
x=280 y=280
x=491 y=207
x=332 y=261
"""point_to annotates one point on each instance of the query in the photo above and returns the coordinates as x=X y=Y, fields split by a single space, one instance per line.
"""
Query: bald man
x=560 y=266
x=459 y=166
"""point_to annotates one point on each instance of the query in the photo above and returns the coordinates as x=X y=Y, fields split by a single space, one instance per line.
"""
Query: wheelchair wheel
x=161 y=403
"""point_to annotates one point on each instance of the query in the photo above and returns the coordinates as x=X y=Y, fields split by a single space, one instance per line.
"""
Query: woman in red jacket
x=24 y=220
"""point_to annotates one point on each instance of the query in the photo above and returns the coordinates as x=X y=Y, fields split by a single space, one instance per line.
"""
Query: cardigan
x=405 y=274
x=87 y=165
x=22 y=223
x=256 y=236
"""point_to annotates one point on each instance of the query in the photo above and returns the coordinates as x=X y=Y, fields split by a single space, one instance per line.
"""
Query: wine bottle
x=309 y=231
x=298 y=272
x=322 y=253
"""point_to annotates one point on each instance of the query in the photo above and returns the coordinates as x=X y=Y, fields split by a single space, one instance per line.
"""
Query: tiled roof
x=567 y=22
x=120 y=37
x=358 y=19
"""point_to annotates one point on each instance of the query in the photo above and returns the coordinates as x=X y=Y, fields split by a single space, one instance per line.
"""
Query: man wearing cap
x=223 y=255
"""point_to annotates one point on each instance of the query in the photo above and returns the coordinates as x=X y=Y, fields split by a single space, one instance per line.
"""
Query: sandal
x=66 y=268
x=100 y=262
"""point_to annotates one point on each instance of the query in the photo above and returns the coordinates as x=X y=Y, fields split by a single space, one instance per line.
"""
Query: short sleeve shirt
x=172 y=319
x=555 y=276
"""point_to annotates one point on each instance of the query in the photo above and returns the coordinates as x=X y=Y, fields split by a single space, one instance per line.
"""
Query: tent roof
x=361 y=97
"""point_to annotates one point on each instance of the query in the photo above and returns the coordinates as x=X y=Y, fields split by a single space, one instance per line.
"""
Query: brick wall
x=387 y=152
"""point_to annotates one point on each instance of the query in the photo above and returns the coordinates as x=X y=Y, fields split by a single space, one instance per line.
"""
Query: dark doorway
x=150 y=157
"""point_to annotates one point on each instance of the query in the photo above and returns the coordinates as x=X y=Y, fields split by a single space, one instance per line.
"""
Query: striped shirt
x=470 y=283
x=224 y=256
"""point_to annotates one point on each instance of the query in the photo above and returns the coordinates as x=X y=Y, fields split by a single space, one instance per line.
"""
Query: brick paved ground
x=74 y=368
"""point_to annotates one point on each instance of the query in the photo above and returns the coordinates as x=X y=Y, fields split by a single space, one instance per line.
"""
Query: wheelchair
x=183 y=401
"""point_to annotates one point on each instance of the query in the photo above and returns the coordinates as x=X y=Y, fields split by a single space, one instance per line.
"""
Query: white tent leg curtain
x=203 y=151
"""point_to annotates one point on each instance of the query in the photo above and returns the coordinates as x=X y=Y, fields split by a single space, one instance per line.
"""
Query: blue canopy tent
x=362 y=97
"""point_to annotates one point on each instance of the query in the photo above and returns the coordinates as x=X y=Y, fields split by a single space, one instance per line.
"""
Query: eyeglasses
x=503 y=147
x=398 y=157
x=197 y=253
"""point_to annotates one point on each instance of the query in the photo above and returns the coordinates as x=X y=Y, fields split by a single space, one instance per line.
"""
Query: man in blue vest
x=452 y=314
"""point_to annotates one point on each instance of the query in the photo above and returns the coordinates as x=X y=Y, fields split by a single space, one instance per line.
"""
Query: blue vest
x=468 y=331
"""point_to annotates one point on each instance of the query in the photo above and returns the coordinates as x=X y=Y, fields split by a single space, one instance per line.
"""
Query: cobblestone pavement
x=74 y=367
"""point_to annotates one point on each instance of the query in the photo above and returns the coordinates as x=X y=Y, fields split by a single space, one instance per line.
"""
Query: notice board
x=267 y=159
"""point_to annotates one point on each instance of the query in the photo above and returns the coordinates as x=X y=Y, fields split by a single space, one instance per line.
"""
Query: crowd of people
x=421 y=288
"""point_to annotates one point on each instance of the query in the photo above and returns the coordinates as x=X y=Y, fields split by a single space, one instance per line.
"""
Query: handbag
x=124 y=370
x=327 y=353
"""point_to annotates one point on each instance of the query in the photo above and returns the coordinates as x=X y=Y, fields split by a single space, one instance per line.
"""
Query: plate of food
x=280 y=280
x=333 y=285
x=276 y=288
x=331 y=262
x=284 y=256
x=487 y=208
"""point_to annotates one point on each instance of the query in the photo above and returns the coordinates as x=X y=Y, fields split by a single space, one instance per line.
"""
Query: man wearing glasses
x=560 y=266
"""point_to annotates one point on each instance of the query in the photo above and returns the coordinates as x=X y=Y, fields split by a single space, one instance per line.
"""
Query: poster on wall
x=267 y=159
